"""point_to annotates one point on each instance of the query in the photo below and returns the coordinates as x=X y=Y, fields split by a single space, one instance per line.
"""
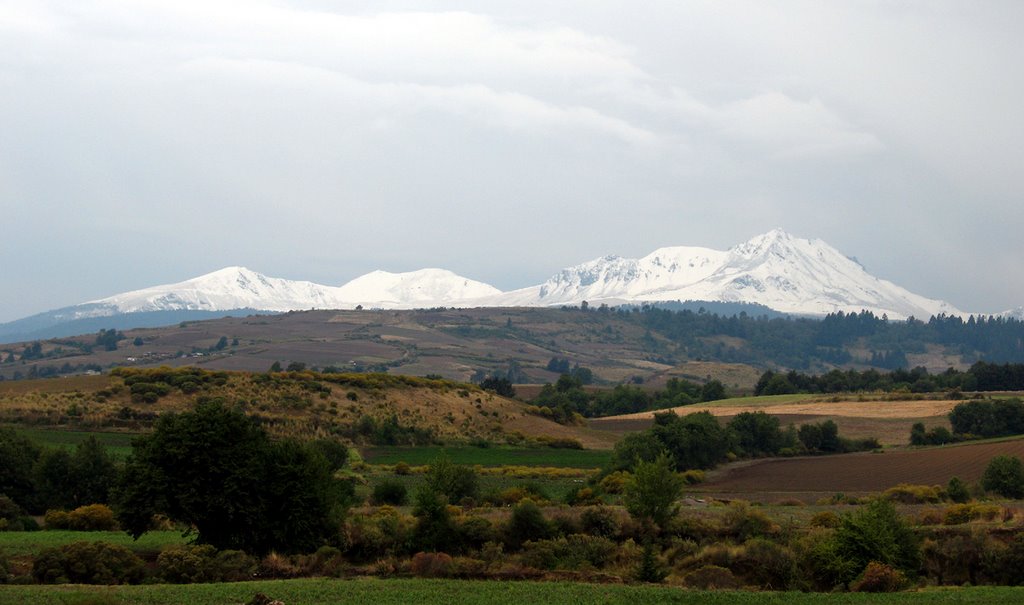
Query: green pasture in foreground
x=118 y=445
x=427 y=592
x=490 y=456
x=19 y=543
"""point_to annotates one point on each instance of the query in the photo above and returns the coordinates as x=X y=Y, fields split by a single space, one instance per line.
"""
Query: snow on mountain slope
x=774 y=269
x=240 y=288
x=626 y=278
x=426 y=287
x=226 y=289
x=803 y=276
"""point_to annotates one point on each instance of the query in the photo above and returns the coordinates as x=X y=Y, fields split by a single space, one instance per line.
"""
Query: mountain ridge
x=774 y=269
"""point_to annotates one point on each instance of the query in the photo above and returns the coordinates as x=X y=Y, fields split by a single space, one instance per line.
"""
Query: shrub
x=434 y=528
x=599 y=521
x=825 y=518
x=233 y=566
x=913 y=494
x=963 y=513
x=1004 y=475
x=743 y=522
x=956 y=490
x=693 y=476
x=527 y=523
x=88 y=563
x=186 y=564
x=879 y=577
x=276 y=565
x=570 y=552
x=615 y=483
x=474 y=532
x=92 y=517
x=1006 y=566
x=956 y=558
x=764 y=563
x=876 y=532
x=456 y=481
x=650 y=568
x=389 y=492
x=431 y=565
x=57 y=519
x=403 y=468
x=711 y=577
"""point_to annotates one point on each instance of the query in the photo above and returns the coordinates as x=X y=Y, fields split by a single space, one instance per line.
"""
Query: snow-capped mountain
x=423 y=288
x=777 y=270
x=241 y=288
x=228 y=288
x=1017 y=313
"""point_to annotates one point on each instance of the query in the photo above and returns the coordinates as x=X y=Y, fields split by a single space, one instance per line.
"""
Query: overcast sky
x=149 y=142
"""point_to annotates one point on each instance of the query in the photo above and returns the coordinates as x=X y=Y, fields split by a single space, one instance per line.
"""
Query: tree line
x=982 y=376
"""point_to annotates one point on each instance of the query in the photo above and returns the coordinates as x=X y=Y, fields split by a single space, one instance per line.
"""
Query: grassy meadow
x=489 y=456
x=470 y=592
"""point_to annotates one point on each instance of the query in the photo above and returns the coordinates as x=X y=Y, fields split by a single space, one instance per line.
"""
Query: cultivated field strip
x=863 y=472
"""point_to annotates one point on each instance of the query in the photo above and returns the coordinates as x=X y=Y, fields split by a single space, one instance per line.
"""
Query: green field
x=490 y=456
x=554 y=488
x=21 y=543
x=427 y=592
x=118 y=445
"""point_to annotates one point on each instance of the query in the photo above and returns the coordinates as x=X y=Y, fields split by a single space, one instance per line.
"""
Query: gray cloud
x=148 y=142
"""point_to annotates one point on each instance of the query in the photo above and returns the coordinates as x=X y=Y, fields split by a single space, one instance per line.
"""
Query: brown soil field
x=858 y=473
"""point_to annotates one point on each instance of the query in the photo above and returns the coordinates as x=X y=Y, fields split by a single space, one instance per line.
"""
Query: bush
x=233 y=566
x=963 y=513
x=527 y=523
x=403 y=468
x=88 y=563
x=879 y=577
x=600 y=521
x=474 y=532
x=876 y=532
x=57 y=519
x=914 y=494
x=1004 y=475
x=186 y=564
x=575 y=551
x=825 y=518
x=431 y=565
x=389 y=492
x=615 y=483
x=455 y=481
x=743 y=522
x=956 y=490
x=650 y=568
x=92 y=517
x=711 y=577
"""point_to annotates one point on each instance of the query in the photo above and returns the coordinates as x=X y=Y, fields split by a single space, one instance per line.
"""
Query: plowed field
x=862 y=472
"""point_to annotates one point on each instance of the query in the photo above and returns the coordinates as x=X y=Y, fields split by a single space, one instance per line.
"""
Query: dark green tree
x=435 y=531
x=652 y=493
x=216 y=469
x=453 y=481
x=1004 y=475
x=18 y=456
x=758 y=433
